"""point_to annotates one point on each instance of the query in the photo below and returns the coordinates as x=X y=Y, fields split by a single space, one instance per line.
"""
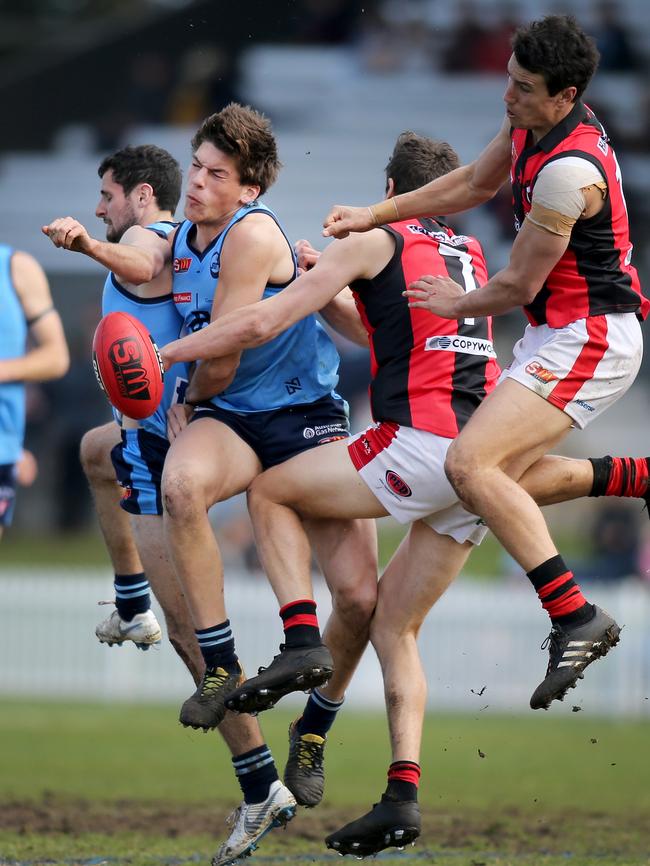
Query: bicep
x=534 y=254
x=31 y=285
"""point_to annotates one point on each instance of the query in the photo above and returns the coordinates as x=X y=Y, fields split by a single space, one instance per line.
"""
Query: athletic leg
x=207 y=463
x=285 y=552
x=133 y=618
x=95 y=456
x=419 y=572
x=513 y=427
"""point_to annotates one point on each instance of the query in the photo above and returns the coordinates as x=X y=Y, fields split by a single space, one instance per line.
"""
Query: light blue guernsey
x=165 y=324
x=298 y=366
x=13 y=336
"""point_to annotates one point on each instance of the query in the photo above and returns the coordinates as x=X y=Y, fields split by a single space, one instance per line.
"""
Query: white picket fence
x=480 y=646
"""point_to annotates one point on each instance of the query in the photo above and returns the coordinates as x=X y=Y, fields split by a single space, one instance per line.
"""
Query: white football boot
x=143 y=630
x=251 y=821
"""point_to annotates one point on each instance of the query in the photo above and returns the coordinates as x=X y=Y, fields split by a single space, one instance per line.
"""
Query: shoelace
x=553 y=642
x=232 y=819
x=212 y=683
x=310 y=755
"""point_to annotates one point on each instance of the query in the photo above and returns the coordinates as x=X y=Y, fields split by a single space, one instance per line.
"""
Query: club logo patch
x=397 y=484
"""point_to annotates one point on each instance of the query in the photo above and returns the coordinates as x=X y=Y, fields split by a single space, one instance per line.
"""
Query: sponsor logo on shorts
x=181 y=265
x=335 y=431
x=182 y=297
x=584 y=405
x=130 y=375
x=463 y=345
x=540 y=373
x=397 y=485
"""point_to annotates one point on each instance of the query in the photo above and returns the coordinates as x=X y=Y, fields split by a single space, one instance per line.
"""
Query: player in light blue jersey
x=252 y=411
x=33 y=348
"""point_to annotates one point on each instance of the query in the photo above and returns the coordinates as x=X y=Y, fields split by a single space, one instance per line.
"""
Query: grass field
x=88 y=784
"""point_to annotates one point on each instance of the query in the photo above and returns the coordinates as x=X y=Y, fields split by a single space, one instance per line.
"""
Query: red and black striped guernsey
x=428 y=373
x=595 y=275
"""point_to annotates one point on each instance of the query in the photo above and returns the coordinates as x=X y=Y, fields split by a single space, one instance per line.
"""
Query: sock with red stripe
x=559 y=593
x=300 y=623
x=620 y=476
x=403 y=781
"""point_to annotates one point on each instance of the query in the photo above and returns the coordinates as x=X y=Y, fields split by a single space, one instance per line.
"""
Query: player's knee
x=182 y=493
x=459 y=471
x=356 y=604
x=261 y=494
x=94 y=456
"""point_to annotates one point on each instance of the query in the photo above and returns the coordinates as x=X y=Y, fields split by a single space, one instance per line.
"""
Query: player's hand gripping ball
x=127 y=365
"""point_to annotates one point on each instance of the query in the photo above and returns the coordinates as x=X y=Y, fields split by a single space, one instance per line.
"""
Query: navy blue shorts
x=7 y=493
x=278 y=435
x=138 y=461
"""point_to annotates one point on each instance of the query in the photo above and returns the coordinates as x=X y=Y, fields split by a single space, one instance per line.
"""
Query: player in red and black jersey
x=570 y=268
x=429 y=374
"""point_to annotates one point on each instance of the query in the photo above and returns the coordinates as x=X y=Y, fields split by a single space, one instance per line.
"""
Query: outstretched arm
x=49 y=358
x=137 y=259
x=464 y=188
x=258 y=323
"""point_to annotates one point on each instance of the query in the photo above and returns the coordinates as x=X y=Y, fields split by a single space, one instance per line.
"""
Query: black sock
x=131 y=594
x=217 y=646
x=256 y=772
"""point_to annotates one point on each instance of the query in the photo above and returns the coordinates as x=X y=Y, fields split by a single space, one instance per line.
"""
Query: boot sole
x=609 y=641
x=255 y=700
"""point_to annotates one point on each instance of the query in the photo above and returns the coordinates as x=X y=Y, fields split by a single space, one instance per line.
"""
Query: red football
x=127 y=365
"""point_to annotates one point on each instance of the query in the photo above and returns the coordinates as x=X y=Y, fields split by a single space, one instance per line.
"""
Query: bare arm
x=534 y=254
x=461 y=189
x=342 y=314
x=258 y=323
x=138 y=258
x=49 y=358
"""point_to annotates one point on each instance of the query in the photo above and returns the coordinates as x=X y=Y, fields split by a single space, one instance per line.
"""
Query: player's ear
x=390 y=188
x=250 y=194
x=145 y=194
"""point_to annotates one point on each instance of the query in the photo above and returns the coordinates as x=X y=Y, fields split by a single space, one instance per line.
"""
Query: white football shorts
x=581 y=368
x=405 y=469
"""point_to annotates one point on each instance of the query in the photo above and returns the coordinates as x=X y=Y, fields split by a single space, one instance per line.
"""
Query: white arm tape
x=560 y=183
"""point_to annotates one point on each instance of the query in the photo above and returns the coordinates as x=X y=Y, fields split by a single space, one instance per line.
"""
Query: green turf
x=79 y=750
x=548 y=790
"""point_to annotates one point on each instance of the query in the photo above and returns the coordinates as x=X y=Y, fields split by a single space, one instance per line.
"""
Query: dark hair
x=146 y=163
x=416 y=160
x=246 y=135
x=556 y=48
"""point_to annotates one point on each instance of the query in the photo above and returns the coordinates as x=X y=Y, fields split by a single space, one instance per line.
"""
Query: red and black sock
x=300 y=623
x=620 y=476
x=559 y=593
x=403 y=781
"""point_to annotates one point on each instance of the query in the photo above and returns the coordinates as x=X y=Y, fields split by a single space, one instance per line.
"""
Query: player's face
x=115 y=208
x=528 y=103
x=214 y=189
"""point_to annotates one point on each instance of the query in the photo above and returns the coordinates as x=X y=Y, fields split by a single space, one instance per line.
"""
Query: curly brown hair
x=245 y=135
